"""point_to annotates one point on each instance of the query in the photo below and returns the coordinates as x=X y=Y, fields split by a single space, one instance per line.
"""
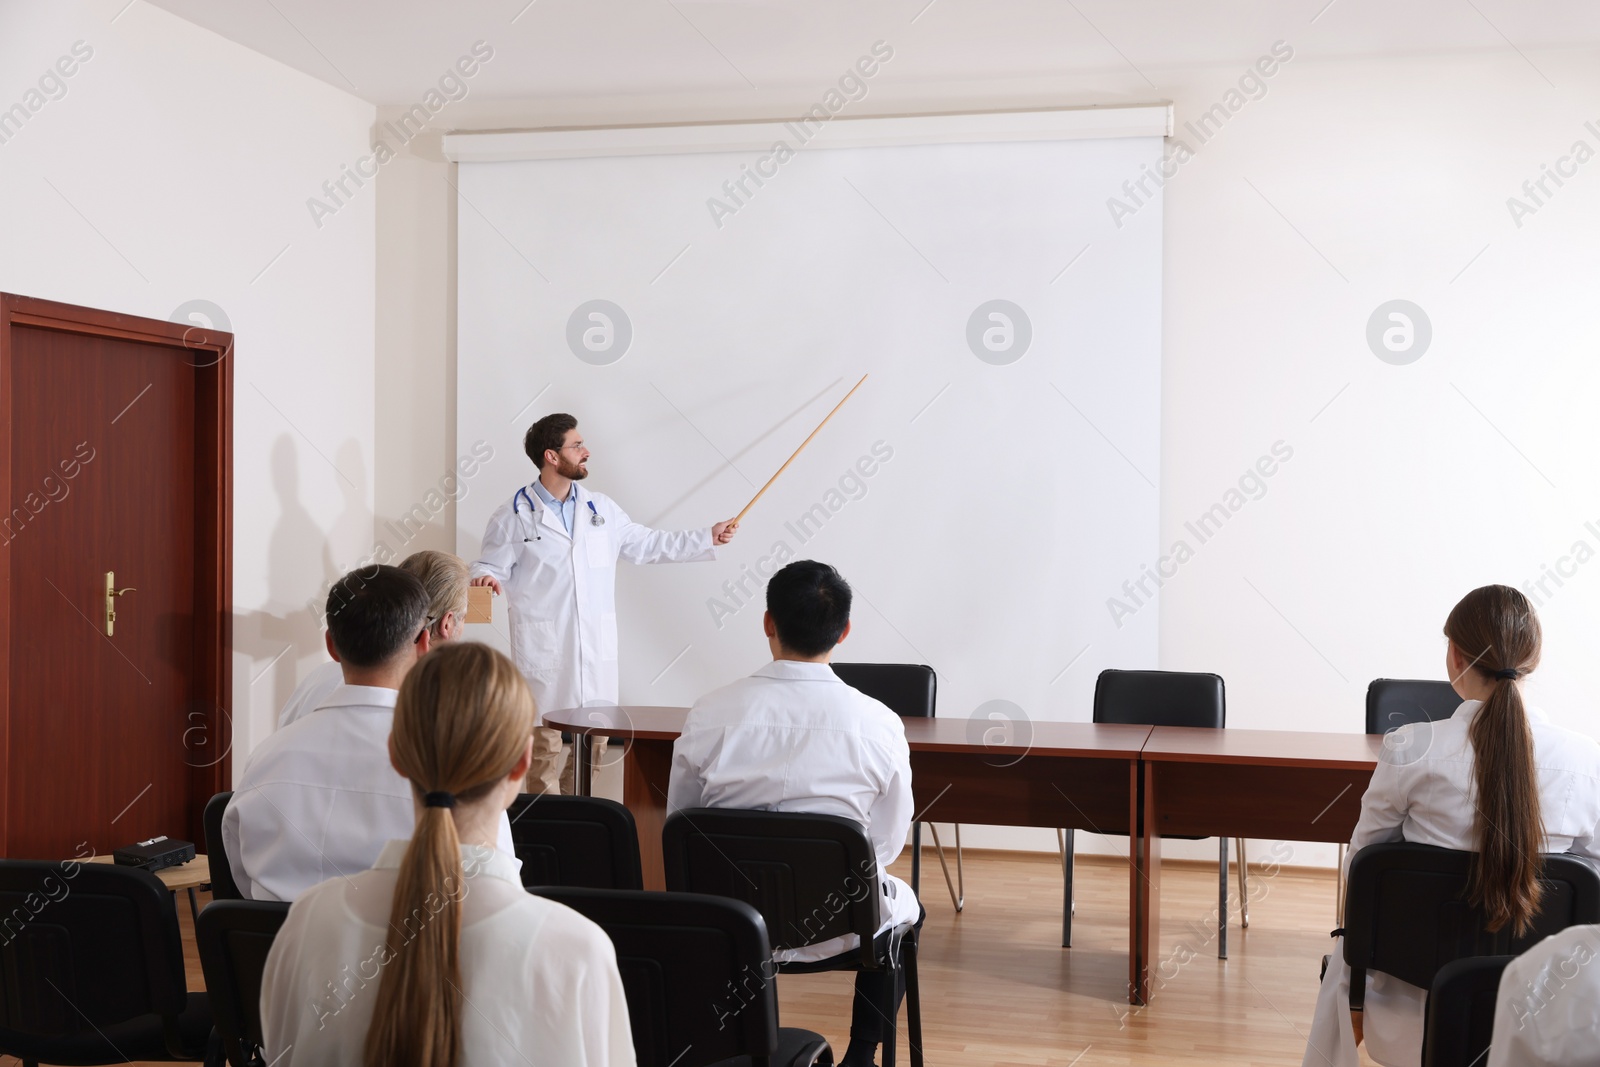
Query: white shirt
x=319 y=798
x=1547 y=1013
x=793 y=737
x=1423 y=792
x=314 y=688
x=539 y=981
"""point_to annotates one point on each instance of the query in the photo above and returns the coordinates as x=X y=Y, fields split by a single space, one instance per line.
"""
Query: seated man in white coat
x=319 y=798
x=793 y=737
x=445 y=577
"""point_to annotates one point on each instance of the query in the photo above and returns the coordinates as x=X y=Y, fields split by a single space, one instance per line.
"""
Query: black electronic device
x=156 y=854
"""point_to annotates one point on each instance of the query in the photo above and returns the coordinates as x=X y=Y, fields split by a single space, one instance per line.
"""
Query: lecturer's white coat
x=560 y=589
x=1423 y=792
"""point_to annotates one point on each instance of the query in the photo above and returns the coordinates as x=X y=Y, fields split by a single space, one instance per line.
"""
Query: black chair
x=222 y=884
x=682 y=953
x=813 y=878
x=1406 y=912
x=91 y=967
x=910 y=690
x=1169 y=698
x=1460 y=1016
x=1391 y=704
x=584 y=842
x=1395 y=702
x=234 y=938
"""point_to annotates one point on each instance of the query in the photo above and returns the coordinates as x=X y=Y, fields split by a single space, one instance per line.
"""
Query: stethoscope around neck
x=595 y=518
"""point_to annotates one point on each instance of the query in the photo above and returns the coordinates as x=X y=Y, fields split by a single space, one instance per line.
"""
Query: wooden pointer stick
x=797 y=451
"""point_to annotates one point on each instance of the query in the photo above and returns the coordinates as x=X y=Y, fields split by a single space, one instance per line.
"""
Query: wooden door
x=116 y=433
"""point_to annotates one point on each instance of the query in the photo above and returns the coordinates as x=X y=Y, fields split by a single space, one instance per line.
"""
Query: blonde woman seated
x=1497 y=778
x=437 y=956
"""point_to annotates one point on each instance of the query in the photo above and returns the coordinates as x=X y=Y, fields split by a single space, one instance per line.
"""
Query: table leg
x=646 y=770
x=916 y=859
x=1145 y=876
x=194 y=907
x=1068 y=842
x=582 y=753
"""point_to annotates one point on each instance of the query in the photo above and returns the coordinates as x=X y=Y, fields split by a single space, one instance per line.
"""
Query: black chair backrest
x=222 y=885
x=1394 y=702
x=1160 y=698
x=234 y=938
x=812 y=877
x=1460 y=1015
x=84 y=947
x=697 y=972
x=909 y=689
x=587 y=842
x=1406 y=912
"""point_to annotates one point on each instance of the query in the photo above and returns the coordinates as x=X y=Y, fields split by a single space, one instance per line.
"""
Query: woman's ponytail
x=1496 y=627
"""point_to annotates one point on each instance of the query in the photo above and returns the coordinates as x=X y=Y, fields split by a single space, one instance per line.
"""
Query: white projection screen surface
x=986 y=491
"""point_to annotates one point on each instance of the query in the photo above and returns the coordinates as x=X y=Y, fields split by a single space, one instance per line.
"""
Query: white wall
x=953 y=527
x=176 y=166
x=1417 y=482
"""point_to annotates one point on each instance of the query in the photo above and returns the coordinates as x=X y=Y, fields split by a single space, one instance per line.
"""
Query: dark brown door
x=114 y=426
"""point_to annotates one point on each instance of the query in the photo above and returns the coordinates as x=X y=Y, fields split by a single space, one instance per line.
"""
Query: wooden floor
x=999 y=991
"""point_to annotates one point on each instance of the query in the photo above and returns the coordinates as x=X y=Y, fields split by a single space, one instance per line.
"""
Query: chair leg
x=891 y=1012
x=961 y=873
x=1244 y=885
x=1064 y=839
x=1338 y=891
x=914 y=1000
x=959 y=900
x=916 y=859
x=1222 y=899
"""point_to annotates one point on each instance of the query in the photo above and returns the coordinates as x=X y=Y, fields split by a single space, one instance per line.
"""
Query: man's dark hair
x=549 y=432
x=810 y=606
x=374 y=613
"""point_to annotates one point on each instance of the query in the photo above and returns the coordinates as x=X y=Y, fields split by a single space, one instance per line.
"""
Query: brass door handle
x=112 y=592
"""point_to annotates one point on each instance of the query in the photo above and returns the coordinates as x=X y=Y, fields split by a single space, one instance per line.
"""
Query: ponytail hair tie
x=1508 y=675
x=439 y=799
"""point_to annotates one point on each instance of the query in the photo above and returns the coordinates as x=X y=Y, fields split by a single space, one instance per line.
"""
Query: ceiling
x=391 y=54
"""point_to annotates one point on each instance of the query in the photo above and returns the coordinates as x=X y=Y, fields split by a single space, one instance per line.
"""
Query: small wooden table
x=1277 y=784
x=196 y=874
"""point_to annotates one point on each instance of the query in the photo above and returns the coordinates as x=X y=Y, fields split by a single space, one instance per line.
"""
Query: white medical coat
x=319 y=799
x=793 y=737
x=1547 y=1013
x=1423 y=792
x=539 y=980
x=316 y=687
x=560 y=589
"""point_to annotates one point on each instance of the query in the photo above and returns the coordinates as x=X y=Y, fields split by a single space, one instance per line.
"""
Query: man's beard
x=571 y=471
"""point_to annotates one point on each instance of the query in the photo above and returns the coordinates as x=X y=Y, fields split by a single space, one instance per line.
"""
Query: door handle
x=112 y=592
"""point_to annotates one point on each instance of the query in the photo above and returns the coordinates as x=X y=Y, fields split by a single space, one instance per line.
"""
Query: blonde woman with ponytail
x=1497 y=778
x=437 y=957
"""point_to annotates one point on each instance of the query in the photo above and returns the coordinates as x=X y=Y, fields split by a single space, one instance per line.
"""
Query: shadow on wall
x=284 y=633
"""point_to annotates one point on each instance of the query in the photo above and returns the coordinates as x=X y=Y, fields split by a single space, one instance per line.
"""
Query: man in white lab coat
x=319 y=798
x=552 y=550
x=445 y=577
x=1545 y=1013
x=793 y=737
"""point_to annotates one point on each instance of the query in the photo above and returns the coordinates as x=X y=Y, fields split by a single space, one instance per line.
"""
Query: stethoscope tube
x=522 y=494
x=595 y=518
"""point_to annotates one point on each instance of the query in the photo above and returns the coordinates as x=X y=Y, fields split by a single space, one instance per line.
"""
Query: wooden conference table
x=1137 y=780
